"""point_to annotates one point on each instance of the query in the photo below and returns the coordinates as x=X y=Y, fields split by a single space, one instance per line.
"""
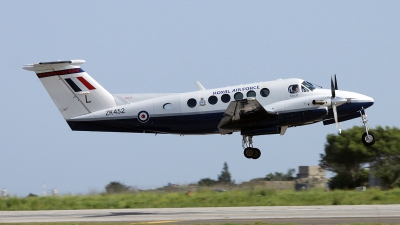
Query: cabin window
x=293 y=89
x=251 y=94
x=167 y=106
x=212 y=100
x=238 y=96
x=264 y=92
x=225 y=98
x=192 y=103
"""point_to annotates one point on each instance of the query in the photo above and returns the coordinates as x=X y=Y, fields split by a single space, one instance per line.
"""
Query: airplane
x=253 y=109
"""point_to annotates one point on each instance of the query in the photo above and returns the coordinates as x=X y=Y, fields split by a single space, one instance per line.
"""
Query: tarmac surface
x=277 y=214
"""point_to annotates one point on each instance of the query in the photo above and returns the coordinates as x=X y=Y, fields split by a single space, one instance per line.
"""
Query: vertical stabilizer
x=74 y=92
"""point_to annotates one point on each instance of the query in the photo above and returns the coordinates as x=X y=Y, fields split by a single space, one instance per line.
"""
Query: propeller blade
x=333 y=89
x=335 y=113
x=336 y=87
x=338 y=125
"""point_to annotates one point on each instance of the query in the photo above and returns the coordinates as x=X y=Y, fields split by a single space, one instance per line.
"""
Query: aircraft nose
x=355 y=101
x=367 y=101
x=363 y=100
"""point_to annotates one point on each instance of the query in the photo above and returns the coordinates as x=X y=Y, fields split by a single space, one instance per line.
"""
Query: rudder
x=74 y=92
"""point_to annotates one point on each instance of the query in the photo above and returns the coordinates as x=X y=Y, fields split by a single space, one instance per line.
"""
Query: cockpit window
x=308 y=85
x=304 y=89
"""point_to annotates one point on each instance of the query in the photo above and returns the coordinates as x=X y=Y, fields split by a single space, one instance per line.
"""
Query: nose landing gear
x=368 y=138
x=249 y=151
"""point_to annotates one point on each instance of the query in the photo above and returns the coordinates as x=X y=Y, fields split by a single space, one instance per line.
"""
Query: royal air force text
x=236 y=90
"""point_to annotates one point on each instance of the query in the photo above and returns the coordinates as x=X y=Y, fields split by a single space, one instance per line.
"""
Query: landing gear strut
x=249 y=151
x=368 y=138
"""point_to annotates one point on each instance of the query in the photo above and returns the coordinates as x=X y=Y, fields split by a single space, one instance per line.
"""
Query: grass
x=130 y=223
x=204 y=198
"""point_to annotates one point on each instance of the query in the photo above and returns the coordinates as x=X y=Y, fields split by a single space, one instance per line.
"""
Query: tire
x=248 y=153
x=370 y=140
x=257 y=153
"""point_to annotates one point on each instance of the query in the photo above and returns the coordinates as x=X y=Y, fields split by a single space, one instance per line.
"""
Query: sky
x=165 y=46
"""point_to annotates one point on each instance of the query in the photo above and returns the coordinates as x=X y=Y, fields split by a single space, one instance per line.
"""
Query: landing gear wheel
x=368 y=139
x=257 y=153
x=248 y=152
x=252 y=153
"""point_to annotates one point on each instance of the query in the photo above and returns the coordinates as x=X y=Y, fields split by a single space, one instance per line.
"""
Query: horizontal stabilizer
x=52 y=66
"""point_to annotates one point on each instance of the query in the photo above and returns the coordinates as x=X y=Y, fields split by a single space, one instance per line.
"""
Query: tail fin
x=74 y=92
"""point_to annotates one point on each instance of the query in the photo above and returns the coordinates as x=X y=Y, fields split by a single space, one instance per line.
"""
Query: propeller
x=336 y=88
x=336 y=101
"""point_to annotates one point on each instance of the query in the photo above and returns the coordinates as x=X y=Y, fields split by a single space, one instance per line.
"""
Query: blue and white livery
x=251 y=109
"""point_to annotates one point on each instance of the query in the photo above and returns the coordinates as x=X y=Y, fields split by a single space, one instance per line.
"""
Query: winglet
x=199 y=86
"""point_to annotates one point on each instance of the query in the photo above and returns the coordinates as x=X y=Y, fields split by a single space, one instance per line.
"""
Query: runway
x=283 y=214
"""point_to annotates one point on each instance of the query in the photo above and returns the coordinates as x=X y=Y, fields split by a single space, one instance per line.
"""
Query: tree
x=388 y=170
x=347 y=181
x=31 y=195
x=346 y=156
x=386 y=165
x=281 y=176
x=225 y=176
x=115 y=187
x=207 y=182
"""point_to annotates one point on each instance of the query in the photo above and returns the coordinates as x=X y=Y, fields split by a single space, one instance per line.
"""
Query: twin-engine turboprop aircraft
x=251 y=109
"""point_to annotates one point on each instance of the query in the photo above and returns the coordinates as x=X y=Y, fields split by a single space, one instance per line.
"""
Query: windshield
x=308 y=85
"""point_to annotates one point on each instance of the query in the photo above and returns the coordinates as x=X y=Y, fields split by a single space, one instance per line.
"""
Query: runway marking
x=158 y=221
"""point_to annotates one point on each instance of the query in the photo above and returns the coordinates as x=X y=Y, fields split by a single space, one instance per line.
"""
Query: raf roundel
x=143 y=116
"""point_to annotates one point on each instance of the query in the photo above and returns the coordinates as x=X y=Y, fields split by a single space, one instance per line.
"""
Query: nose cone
x=363 y=100
x=355 y=101
x=367 y=102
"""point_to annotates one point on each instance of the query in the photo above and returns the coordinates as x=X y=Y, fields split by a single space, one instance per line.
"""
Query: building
x=311 y=172
x=311 y=176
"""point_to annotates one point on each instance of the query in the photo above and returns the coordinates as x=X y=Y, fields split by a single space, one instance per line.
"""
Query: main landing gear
x=368 y=138
x=249 y=151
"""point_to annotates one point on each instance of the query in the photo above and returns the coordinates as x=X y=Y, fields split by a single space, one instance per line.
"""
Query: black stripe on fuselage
x=204 y=123
x=349 y=108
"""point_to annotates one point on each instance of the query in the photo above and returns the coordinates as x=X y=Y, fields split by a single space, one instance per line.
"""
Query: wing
x=243 y=114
